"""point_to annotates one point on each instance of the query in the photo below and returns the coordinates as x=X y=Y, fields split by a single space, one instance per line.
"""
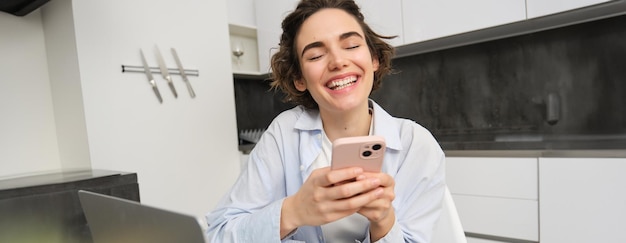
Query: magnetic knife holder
x=157 y=70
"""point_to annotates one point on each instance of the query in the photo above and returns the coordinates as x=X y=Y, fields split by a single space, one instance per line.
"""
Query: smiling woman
x=328 y=63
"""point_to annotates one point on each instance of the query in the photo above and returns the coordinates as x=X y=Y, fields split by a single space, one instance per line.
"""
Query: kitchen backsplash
x=256 y=104
x=567 y=82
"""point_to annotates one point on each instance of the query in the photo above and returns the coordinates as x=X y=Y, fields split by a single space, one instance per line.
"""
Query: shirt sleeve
x=394 y=235
x=420 y=186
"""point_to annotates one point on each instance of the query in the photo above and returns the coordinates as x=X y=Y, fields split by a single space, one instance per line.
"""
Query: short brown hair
x=286 y=65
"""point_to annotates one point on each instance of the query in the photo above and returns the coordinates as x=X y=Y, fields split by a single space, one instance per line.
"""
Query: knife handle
x=171 y=84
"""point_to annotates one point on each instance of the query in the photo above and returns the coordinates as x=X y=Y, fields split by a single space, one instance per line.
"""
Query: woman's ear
x=375 y=63
x=300 y=85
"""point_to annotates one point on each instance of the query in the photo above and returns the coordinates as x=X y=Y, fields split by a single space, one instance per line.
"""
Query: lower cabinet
x=582 y=199
x=496 y=198
x=547 y=200
x=479 y=240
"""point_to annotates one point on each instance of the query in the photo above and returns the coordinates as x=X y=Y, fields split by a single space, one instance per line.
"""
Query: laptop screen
x=117 y=220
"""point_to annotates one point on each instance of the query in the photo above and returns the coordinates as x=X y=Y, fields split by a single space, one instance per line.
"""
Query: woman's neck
x=347 y=124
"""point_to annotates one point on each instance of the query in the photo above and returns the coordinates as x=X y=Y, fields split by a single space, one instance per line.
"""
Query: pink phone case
x=366 y=152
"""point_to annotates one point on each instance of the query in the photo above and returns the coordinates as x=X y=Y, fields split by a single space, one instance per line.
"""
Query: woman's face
x=337 y=67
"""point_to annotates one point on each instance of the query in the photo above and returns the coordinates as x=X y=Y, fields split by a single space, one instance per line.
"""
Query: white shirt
x=349 y=229
x=283 y=159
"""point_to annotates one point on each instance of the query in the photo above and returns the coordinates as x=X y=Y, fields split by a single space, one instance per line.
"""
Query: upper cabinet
x=425 y=20
x=420 y=25
x=384 y=18
x=538 y=8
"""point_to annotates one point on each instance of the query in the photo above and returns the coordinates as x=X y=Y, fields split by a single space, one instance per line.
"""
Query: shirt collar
x=385 y=125
x=309 y=120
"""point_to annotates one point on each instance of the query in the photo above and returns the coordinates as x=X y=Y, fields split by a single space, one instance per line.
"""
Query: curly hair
x=286 y=65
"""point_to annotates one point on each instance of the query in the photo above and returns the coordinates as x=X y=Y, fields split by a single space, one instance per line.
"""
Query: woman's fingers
x=354 y=188
x=331 y=177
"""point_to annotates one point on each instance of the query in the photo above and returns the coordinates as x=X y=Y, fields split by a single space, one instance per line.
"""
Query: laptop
x=117 y=220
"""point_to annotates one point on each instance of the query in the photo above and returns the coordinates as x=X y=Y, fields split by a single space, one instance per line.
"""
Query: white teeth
x=341 y=83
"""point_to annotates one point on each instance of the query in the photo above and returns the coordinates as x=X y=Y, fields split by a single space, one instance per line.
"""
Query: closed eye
x=315 y=58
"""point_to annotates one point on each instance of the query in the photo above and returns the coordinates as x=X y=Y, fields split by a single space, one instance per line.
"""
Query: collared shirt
x=283 y=158
x=352 y=228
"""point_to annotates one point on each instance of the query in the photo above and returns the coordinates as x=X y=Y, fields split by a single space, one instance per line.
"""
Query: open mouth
x=341 y=83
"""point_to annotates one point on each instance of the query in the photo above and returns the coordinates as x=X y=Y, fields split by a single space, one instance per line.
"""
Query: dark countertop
x=537 y=145
x=54 y=178
x=606 y=153
x=554 y=153
x=568 y=146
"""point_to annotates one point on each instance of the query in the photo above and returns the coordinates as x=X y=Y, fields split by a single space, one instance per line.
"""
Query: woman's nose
x=337 y=61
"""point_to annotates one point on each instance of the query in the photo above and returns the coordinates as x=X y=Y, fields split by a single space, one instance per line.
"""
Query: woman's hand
x=325 y=197
x=380 y=212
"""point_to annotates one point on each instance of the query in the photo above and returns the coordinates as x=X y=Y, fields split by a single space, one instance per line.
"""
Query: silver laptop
x=116 y=220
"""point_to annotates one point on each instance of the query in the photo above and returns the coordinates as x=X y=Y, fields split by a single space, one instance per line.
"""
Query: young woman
x=328 y=63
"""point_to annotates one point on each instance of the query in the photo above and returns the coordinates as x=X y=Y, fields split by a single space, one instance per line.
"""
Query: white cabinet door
x=582 y=199
x=493 y=177
x=538 y=8
x=384 y=17
x=269 y=16
x=478 y=240
x=495 y=196
x=501 y=217
x=425 y=20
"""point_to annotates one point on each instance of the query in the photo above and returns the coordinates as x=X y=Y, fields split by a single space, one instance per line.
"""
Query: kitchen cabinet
x=539 y=199
x=495 y=196
x=384 y=18
x=416 y=22
x=479 y=240
x=412 y=21
x=425 y=20
x=582 y=199
x=539 y=8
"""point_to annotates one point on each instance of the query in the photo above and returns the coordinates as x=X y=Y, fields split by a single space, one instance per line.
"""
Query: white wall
x=28 y=140
x=184 y=150
x=65 y=83
x=241 y=12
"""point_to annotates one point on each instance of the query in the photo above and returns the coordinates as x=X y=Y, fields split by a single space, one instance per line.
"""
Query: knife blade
x=164 y=72
x=150 y=78
x=182 y=73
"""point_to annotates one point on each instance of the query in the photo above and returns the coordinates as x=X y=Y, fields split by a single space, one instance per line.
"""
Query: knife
x=182 y=73
x=164 y=72
x=150 y=78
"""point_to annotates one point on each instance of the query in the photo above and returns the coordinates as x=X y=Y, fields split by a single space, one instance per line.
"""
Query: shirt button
x=301 y=167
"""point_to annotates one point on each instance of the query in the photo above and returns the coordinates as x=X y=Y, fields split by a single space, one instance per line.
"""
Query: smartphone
x=366 y=152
